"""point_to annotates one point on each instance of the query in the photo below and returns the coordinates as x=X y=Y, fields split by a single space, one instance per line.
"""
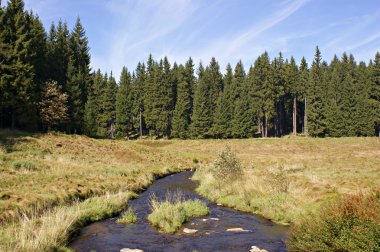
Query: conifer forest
x=43 y=71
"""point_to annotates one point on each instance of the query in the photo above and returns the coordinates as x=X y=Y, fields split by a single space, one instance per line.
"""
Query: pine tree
x=242 y=118
x=17 y=72
x=124 y=105
x=292 y=86
x=263 y=92
x=278 y=75
x=78 y=76
x=181 y=116
x=225 y=108
x=375 y=92
x=316 y=117
x=164 y=103
x=106 y=116
x=138 y=98
x=364 y=117
x=303 y=87
x=92 y=110
x=214 y=81
x=201 y=117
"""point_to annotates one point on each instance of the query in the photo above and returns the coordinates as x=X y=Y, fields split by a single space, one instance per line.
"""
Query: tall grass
x=169 y=215
x=51 y=230
x=350 y=223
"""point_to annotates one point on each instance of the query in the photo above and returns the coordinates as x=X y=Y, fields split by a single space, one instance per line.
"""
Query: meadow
x=52 y=184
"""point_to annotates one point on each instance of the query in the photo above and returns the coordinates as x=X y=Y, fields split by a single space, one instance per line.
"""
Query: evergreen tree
x=303 y=88
x=278 y=75
x=181 y=116
x=214 y=81
x=201 y=117
x=242 y=119
x=92 y=110
x=363 y=115
x=375 y=92
x=292 y=86
x=222 y=127
x=106 y=116
x=78 y=76
x=263 y=92
x=124 y=105
x=316 y=117
x=138 y=98
x=17 y=72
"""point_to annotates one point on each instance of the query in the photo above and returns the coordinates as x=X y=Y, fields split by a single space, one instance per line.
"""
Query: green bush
x=128 y=217
x=227 y=166
x=351 y=223
x=24 y=165
x=169 y=215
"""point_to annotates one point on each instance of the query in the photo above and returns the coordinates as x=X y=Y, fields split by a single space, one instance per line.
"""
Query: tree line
x=46 y=83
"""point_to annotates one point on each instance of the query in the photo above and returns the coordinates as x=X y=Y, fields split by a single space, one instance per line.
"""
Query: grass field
x=44 y=175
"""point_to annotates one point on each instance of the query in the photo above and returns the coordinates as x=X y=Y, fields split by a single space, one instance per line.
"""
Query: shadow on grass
x=10 y=138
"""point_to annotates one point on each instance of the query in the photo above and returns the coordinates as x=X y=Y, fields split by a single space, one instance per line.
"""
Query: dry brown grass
x=314 y=170
x=72 y=168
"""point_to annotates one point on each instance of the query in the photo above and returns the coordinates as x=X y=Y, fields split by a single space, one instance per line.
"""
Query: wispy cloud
x=142 y=23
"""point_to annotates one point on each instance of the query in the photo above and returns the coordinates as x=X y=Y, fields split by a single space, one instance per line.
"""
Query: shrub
x=351 y=223
x=227 y=166
x=278 y=179
x=169 y=215
x=24 y=165
x=128 y=217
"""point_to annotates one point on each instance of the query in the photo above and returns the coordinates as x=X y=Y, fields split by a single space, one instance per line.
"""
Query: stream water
x=110 y=236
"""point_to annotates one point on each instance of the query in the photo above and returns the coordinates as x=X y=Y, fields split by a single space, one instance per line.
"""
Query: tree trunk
x=305 y=119
x=266 y=127
x=140 y=124
x=295 y=115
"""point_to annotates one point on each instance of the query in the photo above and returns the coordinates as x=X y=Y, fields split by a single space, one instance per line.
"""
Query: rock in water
x=189 y=231
x=237 y=230
x=131 y=250
x=257 y=249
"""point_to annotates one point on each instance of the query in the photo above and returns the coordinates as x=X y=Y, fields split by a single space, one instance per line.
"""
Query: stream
x=110 y=236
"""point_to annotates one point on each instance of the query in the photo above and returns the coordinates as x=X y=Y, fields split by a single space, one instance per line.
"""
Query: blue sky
x=124 y=32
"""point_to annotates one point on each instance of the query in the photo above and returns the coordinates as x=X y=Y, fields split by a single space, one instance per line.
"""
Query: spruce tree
x=316 y=124
x=124 y=105
x=222 y=126
x=303 y=88
x=107 y=98
x=292 y=86
x=138 y=98
x=375 y=92
x=264 y=92
x=17 y=72
x=201 y=117
x=214 y=81
x=242 y=119
x=181 y=115
x=92 y=107
x=78 y=76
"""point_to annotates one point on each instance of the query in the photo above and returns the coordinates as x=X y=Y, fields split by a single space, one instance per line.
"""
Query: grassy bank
x=286 y=179
x=42 y=176
x=46 y=179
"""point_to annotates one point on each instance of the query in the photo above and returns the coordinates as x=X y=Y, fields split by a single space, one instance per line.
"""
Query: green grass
x=128 y=217
x=169 y=215
x=350 y=223
x=51 y=230
x=24 y=165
